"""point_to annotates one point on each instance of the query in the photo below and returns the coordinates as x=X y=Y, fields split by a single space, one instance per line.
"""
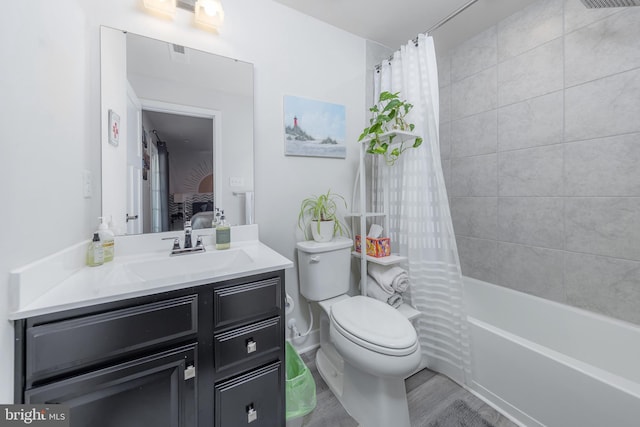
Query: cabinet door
x=253 y=399
x=156 y=391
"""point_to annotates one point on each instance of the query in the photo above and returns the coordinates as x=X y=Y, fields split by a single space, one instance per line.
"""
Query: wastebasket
x=300 y=387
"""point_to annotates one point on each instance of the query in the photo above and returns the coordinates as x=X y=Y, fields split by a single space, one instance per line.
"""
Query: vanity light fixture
x=164 y=7
x=208 y=13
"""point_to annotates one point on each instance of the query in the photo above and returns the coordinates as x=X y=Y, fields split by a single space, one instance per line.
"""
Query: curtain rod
x=450 y=17
x=439 y=24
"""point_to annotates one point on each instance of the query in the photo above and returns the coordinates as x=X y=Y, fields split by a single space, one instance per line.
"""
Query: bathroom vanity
x=194 y=349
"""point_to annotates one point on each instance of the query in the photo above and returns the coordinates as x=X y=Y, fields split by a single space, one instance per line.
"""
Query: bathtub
x=548 y=364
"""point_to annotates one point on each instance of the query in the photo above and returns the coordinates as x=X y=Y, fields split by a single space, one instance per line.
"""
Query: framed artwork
x=314 y=128
x=114 y=128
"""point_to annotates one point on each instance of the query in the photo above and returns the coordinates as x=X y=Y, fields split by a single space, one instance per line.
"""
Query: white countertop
x=124 y=278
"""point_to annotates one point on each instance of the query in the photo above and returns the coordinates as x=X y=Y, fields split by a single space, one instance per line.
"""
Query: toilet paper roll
x=288 y=305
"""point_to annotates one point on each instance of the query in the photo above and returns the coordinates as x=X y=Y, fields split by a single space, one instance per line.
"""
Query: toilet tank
x=324 y=268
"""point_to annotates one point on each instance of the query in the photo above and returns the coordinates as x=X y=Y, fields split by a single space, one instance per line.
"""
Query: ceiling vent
x=179 y=53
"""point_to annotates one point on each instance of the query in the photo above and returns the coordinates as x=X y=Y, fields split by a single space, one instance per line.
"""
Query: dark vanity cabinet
x=211 y=355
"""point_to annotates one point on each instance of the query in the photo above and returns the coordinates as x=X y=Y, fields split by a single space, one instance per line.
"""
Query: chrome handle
x=176 y=242
x=315 y=259
x=251 y=345
x=131 y=217
x=189 y=372
x=252 y=414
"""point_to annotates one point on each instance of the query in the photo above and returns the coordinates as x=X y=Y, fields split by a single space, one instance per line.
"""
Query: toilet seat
x=374 y=325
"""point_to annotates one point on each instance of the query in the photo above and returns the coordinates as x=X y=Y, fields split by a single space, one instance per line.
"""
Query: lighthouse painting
x=314 y=128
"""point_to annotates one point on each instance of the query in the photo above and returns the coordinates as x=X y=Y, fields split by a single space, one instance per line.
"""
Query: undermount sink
x=196 y=263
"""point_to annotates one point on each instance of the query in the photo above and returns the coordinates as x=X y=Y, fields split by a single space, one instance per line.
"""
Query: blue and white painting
x=314 y=128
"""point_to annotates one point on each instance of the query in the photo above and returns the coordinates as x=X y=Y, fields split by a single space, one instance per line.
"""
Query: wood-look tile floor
x=428 y=393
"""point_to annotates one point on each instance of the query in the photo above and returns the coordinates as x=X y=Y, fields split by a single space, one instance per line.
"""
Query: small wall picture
x=114 y=128
x=314 y=128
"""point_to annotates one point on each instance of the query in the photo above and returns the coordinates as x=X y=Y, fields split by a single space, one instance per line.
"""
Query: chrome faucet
x=188 y=247
x=187 y=235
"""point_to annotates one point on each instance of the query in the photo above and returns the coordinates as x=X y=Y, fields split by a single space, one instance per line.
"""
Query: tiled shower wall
x=540 y=141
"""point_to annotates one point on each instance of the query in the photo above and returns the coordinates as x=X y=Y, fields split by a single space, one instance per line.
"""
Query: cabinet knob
x=251 y=345
x=252 y=414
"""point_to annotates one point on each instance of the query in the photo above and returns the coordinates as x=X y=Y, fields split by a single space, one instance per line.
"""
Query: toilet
x=367 y=348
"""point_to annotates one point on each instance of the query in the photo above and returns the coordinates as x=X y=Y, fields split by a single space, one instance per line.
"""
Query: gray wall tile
x=576 y=15
x=474 y=176
x=536 y=121
x=444 y=69
x=529 y=28
x=445 y=104
x=531 y=172
x=535 y=221
x=474 y=55
x=474 y=135
x=475 y=216
x=536 y=271
x=534 y=73
x=478 y=258
x=608 y=226
x=604 y=107
x=445 y=140
x=606 y=285
x=606 y=47
x=474 y=94
x=603 y=167
x=565 y=182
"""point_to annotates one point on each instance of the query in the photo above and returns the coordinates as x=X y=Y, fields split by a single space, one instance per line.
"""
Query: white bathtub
x=549 y=364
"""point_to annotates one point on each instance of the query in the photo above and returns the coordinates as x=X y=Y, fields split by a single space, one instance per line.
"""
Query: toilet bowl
x=367 y=348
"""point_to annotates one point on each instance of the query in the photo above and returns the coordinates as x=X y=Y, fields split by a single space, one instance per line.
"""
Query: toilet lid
x=374 y=325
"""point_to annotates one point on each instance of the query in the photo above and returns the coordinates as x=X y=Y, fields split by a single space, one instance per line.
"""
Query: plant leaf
x=385 y=96
x=417 y=143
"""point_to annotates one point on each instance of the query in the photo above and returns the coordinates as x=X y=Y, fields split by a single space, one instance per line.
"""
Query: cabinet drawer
x=249 y=342
x=247 y=301
x=68 y=345
x=252 y=399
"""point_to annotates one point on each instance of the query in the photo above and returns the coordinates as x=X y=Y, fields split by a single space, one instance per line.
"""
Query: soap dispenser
x=95 y=252
x=223 y=234
x=108 y=240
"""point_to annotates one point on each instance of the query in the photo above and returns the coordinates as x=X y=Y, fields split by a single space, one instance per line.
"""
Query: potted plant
x=321 y=211
x=388 y=115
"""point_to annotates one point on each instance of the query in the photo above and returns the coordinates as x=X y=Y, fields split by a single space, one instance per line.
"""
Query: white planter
x=326 y=231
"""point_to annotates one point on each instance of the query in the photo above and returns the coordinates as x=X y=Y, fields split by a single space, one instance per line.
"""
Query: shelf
x=408 y=311
x=400 y=136
x=387 y=260
x=366 y=214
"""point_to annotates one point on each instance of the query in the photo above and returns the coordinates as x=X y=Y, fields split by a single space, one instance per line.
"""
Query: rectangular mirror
x=177 y=136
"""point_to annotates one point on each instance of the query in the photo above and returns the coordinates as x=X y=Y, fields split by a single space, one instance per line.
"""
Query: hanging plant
x=388 y=115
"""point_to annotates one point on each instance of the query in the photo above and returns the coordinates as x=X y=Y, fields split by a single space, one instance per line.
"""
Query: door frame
x=206 y=113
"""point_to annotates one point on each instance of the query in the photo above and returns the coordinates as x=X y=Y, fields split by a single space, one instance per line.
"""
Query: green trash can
x=300 y=387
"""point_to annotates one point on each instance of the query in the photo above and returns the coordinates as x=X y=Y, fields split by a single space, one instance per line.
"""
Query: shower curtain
x=419 y=215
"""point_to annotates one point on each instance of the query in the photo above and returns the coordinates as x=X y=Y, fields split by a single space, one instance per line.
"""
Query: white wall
x=51 y=109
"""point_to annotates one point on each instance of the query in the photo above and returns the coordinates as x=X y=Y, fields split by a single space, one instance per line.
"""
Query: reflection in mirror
x=186 y=145
x=177 y=171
